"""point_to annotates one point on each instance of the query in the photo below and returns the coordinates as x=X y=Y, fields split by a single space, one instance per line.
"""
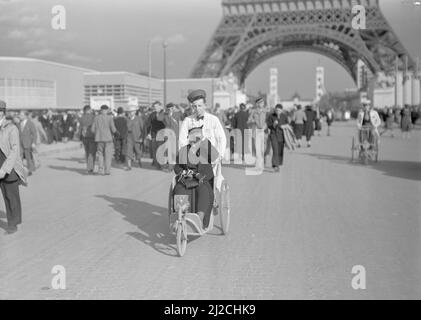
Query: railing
x=256 y=6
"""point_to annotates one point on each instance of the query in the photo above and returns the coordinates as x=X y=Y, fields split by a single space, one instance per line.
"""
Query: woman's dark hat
x=104 y=107
x=2 y=106
x=196 y=95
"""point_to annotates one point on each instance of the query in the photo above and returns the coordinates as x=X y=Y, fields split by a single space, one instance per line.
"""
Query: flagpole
x=396 y=82
x=405 y=82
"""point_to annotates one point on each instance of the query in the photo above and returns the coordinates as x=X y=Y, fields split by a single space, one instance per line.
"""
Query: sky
x=111 y=35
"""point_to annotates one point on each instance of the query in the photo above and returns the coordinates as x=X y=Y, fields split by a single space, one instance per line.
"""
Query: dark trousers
x=90 y=153
x=11 y=197
x=120 y=149
x=27 y=154
x=278 y=151
x=203 y=199
x=155 y=146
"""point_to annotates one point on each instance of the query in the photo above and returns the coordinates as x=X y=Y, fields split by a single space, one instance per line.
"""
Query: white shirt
x=22 y=124
x=212 y=130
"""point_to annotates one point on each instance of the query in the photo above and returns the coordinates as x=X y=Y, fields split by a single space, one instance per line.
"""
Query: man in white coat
x=212 y=130
x=368 y=117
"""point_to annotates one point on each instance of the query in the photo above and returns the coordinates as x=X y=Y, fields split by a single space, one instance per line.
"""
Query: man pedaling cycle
x=368 y=122
x=204 y=133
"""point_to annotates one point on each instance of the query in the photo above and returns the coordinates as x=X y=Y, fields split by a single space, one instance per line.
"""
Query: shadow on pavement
x=3 y=224
x=400 y=169
x=77 y=170
x=147 y=165
x=151 y=220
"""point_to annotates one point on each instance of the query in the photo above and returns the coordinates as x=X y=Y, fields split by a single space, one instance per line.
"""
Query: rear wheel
x=170 y=205
x=352 y=148
x=376 y=148
x=225 y=208
x=181 y=240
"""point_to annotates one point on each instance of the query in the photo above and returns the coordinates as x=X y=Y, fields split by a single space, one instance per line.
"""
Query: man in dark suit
x=120 y=140
x=275 y=121
x=28 y=139
x=154 y=124
x=240 y=122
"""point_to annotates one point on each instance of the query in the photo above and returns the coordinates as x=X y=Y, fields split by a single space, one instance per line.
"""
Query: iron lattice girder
x=235 y=42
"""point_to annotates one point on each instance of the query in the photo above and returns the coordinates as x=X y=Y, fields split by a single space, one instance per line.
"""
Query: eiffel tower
x=252 y=31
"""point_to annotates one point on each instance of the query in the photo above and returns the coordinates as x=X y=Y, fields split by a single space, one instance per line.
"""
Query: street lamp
x=164 y=46
x=149 y=72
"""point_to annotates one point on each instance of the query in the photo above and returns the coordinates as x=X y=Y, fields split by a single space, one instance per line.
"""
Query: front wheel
x=181 y=240
x=352 y=148
x=225 y=208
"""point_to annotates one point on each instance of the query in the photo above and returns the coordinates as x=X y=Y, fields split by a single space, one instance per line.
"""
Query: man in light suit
x=12 y=171
x=368 y=117
x=28 y=138
x=104 y=129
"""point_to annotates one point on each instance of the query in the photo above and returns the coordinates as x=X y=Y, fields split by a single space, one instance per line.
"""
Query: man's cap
x=132 y=108
x=260 y=99
x=196 y=95
x=2 y=106
x=104 y=107
x=364 y=100
x=120 y=110
x=170 y=105
x=279 y=106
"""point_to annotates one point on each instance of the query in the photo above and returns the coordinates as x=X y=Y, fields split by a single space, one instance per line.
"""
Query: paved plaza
x=294 y=235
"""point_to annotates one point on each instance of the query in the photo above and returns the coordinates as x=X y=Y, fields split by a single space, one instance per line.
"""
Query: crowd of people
x=129 y=134
x=403 y=118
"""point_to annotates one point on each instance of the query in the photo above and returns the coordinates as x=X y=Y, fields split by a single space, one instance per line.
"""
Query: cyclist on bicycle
x=367 y=122
x=211 y=128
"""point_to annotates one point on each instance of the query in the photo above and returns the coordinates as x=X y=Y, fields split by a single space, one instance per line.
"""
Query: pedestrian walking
x=257 y=122
x=120 y=139
x=67 y=123
x=240 y=123
x=275 y=121
x=299 y=118
x=104 y=129
x=47 y=123
x=172 y=123
x=135 y=137
x=309 y=124
x=12 y=171
x=28 y=139
x=318 y=122
x=406 y=122
x=154 y=124
x=329 y=120
x=388 y=122
x=88 y=138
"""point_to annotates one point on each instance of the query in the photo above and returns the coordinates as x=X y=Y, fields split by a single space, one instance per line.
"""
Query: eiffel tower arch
x=252 y=31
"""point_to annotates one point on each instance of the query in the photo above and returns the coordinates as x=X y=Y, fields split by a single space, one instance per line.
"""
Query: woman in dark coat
x=309 y=124
x=196 y=159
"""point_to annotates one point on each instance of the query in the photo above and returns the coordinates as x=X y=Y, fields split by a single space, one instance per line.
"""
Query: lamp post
x=149 y=72
x=164 y=46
